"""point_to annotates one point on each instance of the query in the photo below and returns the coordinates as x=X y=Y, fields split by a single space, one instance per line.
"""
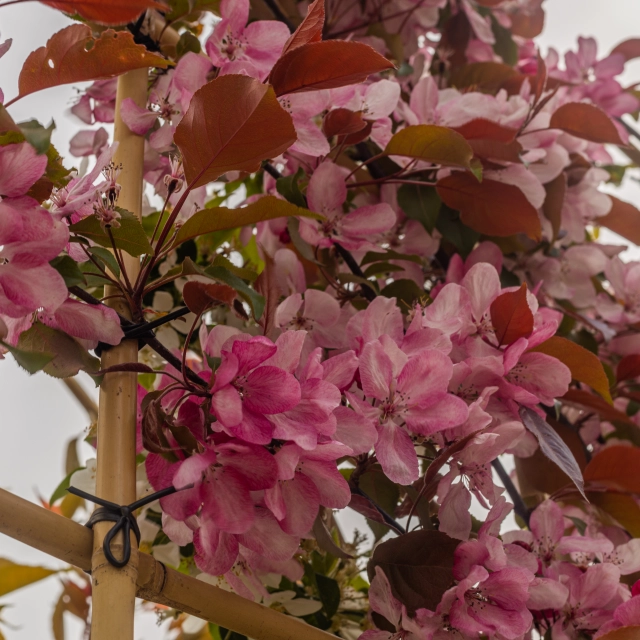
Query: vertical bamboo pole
x=114 y=589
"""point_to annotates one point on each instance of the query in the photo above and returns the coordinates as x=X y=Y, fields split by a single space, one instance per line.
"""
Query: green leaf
x=15 y=576
x=406 y=291
x=329 y=592
x=456 y=232
x=37 y=135
x=61 y=489
x=431 y=143
x=187 y=43
x=29 y=361
x=420 y=203
x=289 y=188
x=129 y=236
x=255 y=300
x=380 y=268
x=303 y=247
x=107 y=258
x=504 y=45
x=241 y=272
x=69 y=355
x=210 y=220
x=68 y=268
x=383 y=492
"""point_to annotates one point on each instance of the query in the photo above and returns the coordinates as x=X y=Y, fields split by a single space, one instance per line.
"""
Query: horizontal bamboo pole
x=45 y=530
x=73 y=543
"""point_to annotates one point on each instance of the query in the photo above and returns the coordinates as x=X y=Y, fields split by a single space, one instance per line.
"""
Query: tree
x=369 y=269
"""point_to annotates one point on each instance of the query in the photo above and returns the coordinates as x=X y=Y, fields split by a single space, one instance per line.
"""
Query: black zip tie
x=124 y=518
x=142 y=330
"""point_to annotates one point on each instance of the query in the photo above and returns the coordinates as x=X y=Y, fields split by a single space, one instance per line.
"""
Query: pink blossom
x=306 y=480
x=241 y=48
x=412 y=391
x=316 y=314
x=20 y=167
x=30 y=238
x=244 y=391
x=326 y=194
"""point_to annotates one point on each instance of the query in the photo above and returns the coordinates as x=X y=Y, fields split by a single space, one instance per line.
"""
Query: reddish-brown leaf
x=628 y=368
x=615 y=467
x=490 y=207
x=200 y=296
x=511 y=316
x=584 y=365
x=486 y=130
x=623 y=219
x=325 y=65
x=585 y=399
x=623 y=509
x=74 y=55
x=232 y=124
x=106 y=11
x=310 y=29
x=342 y=122
x=487 y=76
x=585 y=121
x=500 y=151
x=554 y=201
x=418 y=565
x=431 y=143
x=527 y=24
x=630 y=49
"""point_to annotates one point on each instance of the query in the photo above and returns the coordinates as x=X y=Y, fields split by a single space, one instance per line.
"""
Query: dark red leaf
x=200 y=296
x=623 y=219
x=74 y=55
x=418 y=565
x=486 y=130
x=628 y=368
x=489 y=207
x=527 y=23
x=232 y=124
x=310 y=29
x=106 y=11
x=325 y=65
x=554 y=201
x=630 y=49
x=342 y=122
x=585 y=121
x=511 y=316
x=500 y=151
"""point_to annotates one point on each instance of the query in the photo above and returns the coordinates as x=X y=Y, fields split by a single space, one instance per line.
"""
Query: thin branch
x=151 y=342
x=367 y=292
x=279 y=14
x=519 y=506
x=394 y=524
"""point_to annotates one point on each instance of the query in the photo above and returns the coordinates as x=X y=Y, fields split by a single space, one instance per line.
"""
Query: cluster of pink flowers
x=552 y=578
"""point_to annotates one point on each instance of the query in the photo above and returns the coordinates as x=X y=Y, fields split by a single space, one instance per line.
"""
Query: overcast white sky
x=38 y=414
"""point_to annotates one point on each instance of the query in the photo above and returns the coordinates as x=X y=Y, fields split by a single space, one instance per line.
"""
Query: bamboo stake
x=71 y=542
x=113 y=594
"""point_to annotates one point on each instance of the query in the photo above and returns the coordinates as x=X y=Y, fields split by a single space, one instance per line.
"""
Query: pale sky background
x=38 y=414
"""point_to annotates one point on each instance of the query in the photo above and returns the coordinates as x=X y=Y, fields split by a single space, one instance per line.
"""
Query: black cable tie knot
x=142 y=330
x=124 y=518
